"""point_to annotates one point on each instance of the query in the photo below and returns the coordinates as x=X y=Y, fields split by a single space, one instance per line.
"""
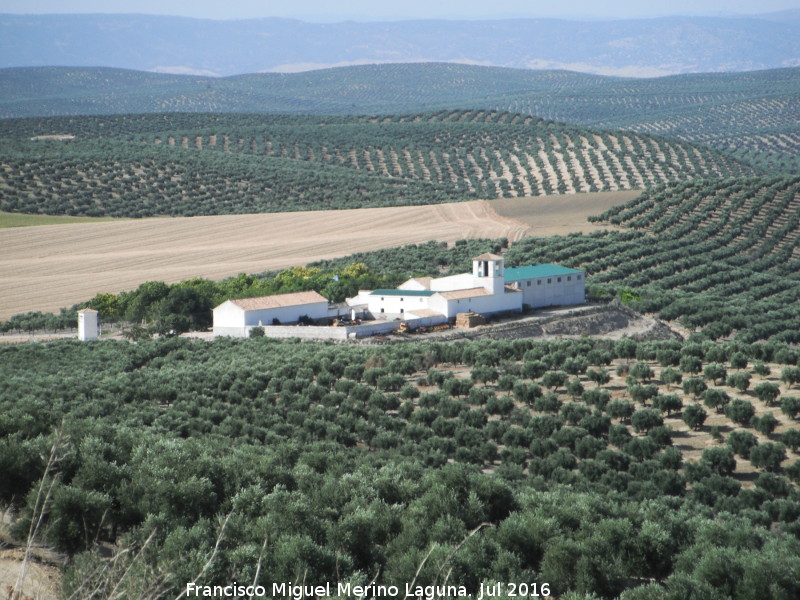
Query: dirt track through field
x=52 y=266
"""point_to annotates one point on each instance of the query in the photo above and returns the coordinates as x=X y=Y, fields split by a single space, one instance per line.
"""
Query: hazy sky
x=370 y=10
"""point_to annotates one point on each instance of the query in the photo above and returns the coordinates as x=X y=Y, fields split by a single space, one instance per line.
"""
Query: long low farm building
x=548 y=285
x=235 y=317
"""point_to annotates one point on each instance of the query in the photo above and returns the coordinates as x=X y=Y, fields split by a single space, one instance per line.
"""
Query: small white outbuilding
x=237 y=317
x=87 y=325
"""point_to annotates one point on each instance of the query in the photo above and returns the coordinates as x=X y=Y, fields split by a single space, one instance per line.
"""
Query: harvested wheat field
x=561 y=214
x=49 y=267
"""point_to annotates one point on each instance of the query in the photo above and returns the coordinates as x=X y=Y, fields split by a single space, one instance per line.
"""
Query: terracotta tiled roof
x=279 y=301
x=468 y=293
x=488 y=256
x=423 y=281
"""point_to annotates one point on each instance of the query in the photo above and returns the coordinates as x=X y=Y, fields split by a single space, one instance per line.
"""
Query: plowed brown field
x=51 y=266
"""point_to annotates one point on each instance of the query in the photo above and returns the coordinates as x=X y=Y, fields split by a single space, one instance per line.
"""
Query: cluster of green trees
x=41 y=321
x=495 y=460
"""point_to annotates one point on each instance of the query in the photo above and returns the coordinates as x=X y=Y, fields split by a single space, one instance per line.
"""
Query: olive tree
x=694 y=416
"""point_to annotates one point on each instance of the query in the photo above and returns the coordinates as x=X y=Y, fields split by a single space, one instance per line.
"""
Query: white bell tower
x=489 y=272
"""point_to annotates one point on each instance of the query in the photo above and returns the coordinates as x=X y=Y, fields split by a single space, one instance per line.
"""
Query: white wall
x=228 y=314
x=393 y=305
x=485 y=305
x=231 y=331
x=87 y=325
x=287 y=314
x=230 y=319
x=498 y=303
x=314 y=332
x=463 y=281
x=538 y=292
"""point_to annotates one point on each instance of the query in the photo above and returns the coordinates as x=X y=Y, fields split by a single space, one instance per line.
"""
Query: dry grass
x=49 y=267
x=8 y=219
x=42 y=581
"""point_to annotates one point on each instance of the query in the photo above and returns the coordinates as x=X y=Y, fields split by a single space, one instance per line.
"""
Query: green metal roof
x=537 y=271
x=402 y=293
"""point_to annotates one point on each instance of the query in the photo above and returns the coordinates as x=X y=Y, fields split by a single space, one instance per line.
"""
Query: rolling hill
x=723 y=256
x=390 y=88
x=185 y=164
x=753 y=116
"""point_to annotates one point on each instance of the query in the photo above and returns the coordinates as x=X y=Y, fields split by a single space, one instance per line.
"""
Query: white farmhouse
x=483 y=291
x=489 y=289
x=236 y=317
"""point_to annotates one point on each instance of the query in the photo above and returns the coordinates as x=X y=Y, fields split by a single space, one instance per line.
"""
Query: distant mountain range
x=645 y=47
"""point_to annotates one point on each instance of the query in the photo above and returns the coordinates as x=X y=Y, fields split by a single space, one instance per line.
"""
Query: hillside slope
x=721 y=256
x=752 y=115
x=144 y=165
x=386 y=88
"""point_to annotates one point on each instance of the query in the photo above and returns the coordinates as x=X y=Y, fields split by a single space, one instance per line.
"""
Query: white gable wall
x=452 y=283
x=228 y=314
x=412 y=284
x=229 y=319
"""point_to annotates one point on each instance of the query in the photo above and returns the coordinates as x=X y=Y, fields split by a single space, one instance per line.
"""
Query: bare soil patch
x=43 y=574
x=42 y=581
x=561 y=214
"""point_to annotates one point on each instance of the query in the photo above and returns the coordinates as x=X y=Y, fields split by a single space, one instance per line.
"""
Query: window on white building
x=529 y=284
x=549 y=280
x=558 y=280
x=569 y=277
